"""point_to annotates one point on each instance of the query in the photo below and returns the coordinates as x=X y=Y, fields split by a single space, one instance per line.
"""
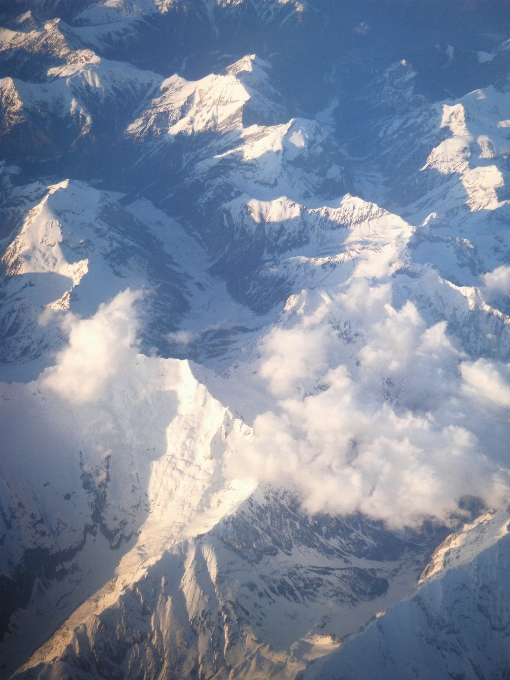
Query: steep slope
x=110 y=11
x=455 y=625
x=28 y=48
x=81 y=102
x=217 y=103
x=281 y=247
x=257 y=596
x=60 y=516
x=218 y=163
x=426 y=152
x=71 y=248
x=332 y=247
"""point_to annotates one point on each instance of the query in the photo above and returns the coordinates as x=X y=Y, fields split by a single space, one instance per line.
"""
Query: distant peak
x=248 y=64
x=24 y=22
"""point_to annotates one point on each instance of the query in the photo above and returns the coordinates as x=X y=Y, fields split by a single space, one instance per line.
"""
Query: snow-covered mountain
x=77 y=247
x=454 y=625
x=78 y=103
x=254 y=339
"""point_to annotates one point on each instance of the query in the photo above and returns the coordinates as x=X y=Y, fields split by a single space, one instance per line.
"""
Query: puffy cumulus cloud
x=486 y=381
x=497 y=281
x=295 y=358
x=98 y=349
x=299 y=354
x=376 y=411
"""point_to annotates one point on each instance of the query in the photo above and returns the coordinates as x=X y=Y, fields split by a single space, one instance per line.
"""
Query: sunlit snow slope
x=254 y=340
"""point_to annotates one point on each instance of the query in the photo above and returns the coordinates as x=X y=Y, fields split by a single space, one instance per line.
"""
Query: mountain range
x=254 y=339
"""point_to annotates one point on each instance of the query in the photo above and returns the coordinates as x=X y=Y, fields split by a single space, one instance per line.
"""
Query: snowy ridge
x=177 y=453
x=459 y=549
x=338 y=265
x=76 y=95
x=466 y=163
x=469 y=150
x=76 y=246
x=215 y=103
x=112 y=22
x=109 y=11
x=187 y=431
x=54 y=38
x=292 y=159
x=236 y=599
x=462 y=606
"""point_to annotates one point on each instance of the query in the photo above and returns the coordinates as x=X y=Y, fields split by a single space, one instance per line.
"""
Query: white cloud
x=484 y=380
x=294 y=359
x=498 y=280
x=183 y=337
x=376 y=411
x=362 y=28
x=98 y=349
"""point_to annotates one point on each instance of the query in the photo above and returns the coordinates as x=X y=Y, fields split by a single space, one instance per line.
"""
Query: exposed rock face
x=259 y=595
x=453 y=626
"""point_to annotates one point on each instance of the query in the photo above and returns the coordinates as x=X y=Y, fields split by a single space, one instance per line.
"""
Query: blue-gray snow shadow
x=23 y=298
x=74 y=484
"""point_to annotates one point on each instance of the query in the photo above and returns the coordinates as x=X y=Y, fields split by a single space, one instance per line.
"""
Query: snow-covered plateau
x=254 y=340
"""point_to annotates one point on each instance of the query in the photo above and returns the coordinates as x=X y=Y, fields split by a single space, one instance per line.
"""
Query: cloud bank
x=375 y=410
x=378 y=412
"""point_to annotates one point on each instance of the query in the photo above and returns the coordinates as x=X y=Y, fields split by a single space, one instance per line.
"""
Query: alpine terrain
x=255 y=339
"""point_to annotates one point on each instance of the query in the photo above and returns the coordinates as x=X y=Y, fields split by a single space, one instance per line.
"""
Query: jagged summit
x=25 y=22
x=216 y=103
x=54 y=38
